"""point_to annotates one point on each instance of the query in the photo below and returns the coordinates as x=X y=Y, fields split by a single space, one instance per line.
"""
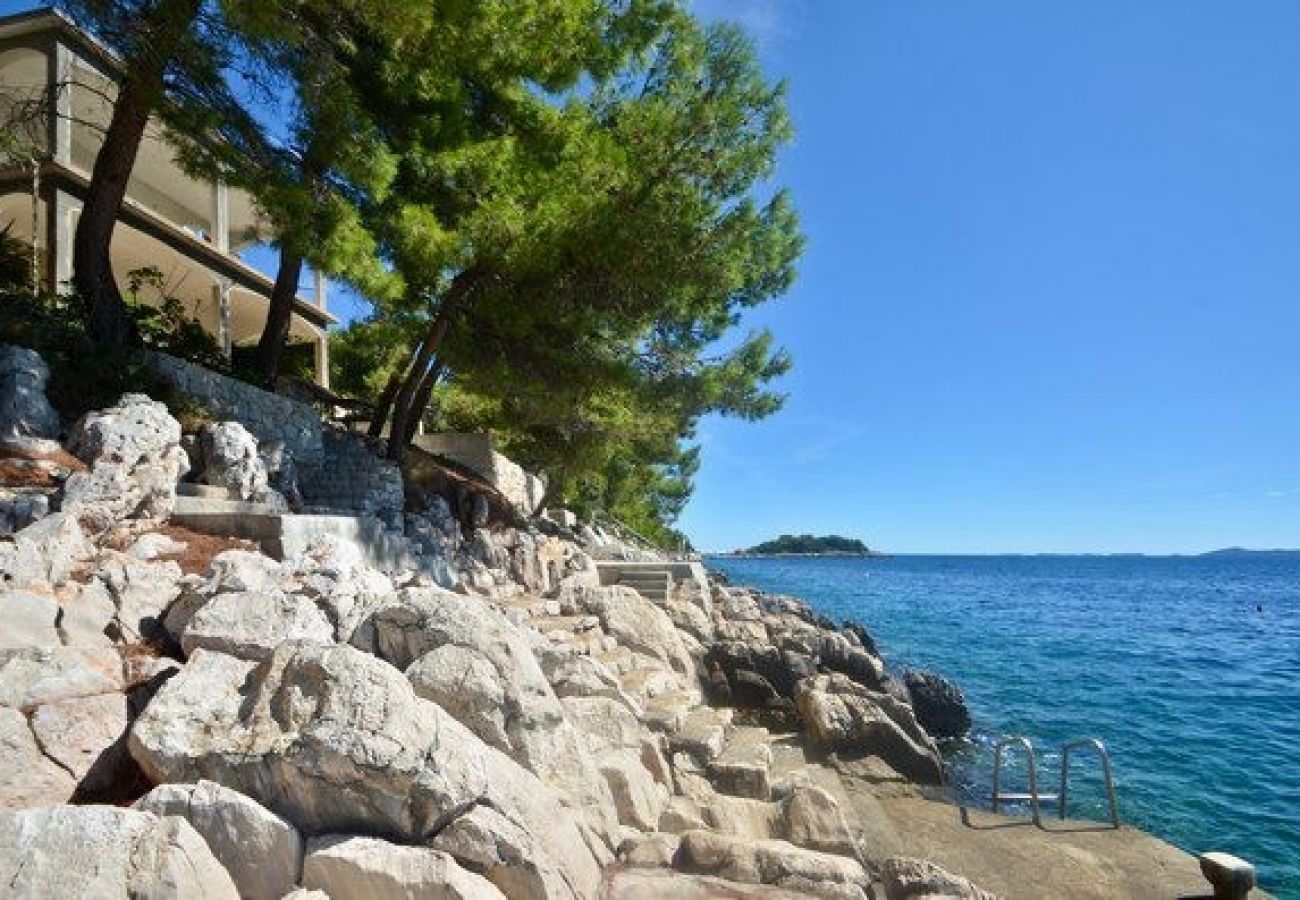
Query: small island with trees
x=809 y=545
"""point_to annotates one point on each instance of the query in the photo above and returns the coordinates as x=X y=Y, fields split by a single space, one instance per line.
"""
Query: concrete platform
x=1010 y=856
x=283 y=535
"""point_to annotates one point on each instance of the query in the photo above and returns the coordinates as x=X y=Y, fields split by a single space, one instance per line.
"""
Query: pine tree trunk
x=420 y=402
x=384 y=405
x=403 y=404
x=138 y=94
x=279 y=315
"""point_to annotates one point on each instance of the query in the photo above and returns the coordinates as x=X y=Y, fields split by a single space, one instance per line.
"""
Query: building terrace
x=57 y=85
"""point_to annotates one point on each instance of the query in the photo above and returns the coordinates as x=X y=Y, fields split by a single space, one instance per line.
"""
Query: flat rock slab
x=261 y=851
x=348 y=867
x=742 y=768
x=702 y=733
x=660 y=884
x=27 y=776
x=104 y=851
x=1067 y=860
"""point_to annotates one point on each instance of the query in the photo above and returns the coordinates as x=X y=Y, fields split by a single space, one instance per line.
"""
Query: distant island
x=809 y=545
x=1231 y=552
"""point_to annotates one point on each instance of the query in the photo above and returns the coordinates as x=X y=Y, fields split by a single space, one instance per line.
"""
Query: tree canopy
x=560 y=211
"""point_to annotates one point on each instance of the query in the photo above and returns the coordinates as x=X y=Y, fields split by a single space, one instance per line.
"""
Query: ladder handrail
x=1033 y=773
x=1097 y=745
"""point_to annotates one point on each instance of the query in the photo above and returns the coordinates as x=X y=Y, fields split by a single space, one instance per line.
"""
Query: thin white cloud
x=770 y=22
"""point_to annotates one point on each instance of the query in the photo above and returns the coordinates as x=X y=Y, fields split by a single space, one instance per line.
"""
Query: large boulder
x=508 y=855
x=350 y=867
x=465 y=655
x=231 y=460
x=939 y=704
x=251 y=625
x=106 y=852
x=336 y=741
x=659 y=884
x=917 y=879
x=24 y=410
x=45 y=553
x=633 y=621
x=86 y=736
x=31 y=620
x=261 y=851
x=844 y=716
x=772 y=862
x=134 y=452
x=27 y=776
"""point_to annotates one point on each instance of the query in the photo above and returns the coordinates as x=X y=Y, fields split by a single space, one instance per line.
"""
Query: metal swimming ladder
x=1033 y=796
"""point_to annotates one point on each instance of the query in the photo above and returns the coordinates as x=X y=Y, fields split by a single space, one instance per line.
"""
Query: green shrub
x=15 y=260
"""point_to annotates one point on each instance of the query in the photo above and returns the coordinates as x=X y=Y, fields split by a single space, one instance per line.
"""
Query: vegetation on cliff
x=808 y=544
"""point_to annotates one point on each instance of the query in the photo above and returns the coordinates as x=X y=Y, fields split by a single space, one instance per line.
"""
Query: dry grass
x=59 y=457
x=200 y=548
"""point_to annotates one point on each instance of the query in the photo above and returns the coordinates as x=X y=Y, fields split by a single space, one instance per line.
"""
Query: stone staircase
x=654 y=585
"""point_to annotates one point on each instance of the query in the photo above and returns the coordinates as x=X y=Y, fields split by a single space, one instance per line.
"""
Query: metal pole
x=36 y=217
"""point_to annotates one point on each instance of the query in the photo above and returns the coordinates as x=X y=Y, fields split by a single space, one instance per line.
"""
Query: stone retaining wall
x=351 y=477
x=269 y=416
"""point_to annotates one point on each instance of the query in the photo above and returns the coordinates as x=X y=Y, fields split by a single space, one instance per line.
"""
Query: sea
x=1187 y=668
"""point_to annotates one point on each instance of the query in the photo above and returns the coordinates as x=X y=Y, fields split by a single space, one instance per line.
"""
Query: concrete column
x=320 y=287
x=220 y=219
x=61 y=216
x=323 y=359
x=221 y=293
x=60 y=87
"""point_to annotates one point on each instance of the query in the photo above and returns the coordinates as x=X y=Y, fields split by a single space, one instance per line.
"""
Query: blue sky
x=1049 y=301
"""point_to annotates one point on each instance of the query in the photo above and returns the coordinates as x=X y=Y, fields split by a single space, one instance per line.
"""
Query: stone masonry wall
x=269 y=416
x=351 y=477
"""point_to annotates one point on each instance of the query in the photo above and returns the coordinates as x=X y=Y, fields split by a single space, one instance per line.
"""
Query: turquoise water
x=1194 y=690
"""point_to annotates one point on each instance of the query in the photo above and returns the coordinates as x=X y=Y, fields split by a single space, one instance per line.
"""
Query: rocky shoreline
x=189 y=716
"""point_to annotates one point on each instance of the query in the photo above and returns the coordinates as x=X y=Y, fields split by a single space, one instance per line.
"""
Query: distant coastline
x=822 y=554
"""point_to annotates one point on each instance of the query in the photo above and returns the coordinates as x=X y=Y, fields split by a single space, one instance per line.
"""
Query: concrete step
x=209 y=491
x=743 y=768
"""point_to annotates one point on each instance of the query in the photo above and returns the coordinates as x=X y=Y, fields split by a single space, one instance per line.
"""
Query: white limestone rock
x=350 y=867
x=251 y=625
x=336 y=741
x=27 y=776
x=230 y=460
x=509 y=856
x=811 y=817
x=153 y=545
x=30 y=620
x=463 y=654
x=45 y=553
x=661 y=884
x=33 y=677
x=107 y=852
x=635 y=622
x=24 y=409
x=261 y=851
x=777 y=863
x=134 y=452
x=86 y=736
x=141 y=591
x=843 y=715
x=905 y=878
x=639 y=798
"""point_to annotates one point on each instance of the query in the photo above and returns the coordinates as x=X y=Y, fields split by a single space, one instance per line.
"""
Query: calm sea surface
x=1170 y=661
